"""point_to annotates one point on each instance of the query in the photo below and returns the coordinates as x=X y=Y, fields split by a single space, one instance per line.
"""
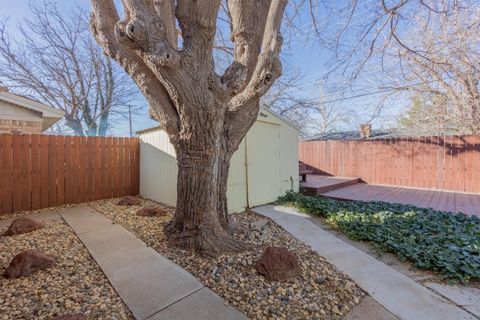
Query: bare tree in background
x=428 y=51
x=58 y=63
x=401 y=49
x=205 y=114
x=429 y=114
x=446 y=76
x=328 y=116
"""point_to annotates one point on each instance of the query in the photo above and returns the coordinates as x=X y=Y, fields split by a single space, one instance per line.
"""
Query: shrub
x=444 y=242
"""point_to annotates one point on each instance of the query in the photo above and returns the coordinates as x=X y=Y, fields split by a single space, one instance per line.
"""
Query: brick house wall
x=20 y=126
x=19 y=114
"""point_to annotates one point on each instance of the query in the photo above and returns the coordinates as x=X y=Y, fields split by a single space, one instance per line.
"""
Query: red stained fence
x=40 y=171
x=443 y=163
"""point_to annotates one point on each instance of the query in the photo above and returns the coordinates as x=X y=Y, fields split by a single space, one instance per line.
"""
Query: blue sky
x=303 y=55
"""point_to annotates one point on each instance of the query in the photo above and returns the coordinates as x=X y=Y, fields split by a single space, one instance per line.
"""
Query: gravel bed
x=320 y=292
x=74 y=285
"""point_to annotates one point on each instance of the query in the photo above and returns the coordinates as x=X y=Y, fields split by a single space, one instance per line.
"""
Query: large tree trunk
x=197 y=221
x=201 y=215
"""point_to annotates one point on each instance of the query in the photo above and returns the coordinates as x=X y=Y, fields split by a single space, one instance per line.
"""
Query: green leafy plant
x=444 y=242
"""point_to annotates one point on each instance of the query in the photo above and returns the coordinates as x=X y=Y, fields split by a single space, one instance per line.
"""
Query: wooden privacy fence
x=443 y=163
x=39 y=171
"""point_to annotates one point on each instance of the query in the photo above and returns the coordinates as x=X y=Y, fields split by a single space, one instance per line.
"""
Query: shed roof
x=262 y=108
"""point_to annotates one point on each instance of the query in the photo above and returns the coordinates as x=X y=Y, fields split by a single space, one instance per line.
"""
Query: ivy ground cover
x=443 y=242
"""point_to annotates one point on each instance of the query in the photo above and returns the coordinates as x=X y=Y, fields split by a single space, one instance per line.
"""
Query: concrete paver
x=399 y=294
x=147 y=282
x=467 y=297
x=84 y=218
x=201 y=305
x=369 y=309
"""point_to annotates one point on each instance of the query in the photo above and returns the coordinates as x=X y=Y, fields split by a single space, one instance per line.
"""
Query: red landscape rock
x=23 y=225
x=129 y=201
x=77 y=316
x=151 y=212
x=278 y=264
x=28 y=262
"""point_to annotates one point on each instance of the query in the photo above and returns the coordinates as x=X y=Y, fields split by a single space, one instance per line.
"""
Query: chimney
x=3 y=89
x=365 y=130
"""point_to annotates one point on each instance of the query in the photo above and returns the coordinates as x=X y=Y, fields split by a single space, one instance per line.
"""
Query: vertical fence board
x=103 y=168
x=98 y=169
x=74 y=169
x=469 y=163
x=109 y=170
x=44 y=176
x=27 y=173
x=16 y=172
x=476 y=168
x=60 y=154
x=123 y=170
x=6 y=175
x=128 y=176
x=134 y=174
x=68 y=158
x=52 y=171
x=35 y=171
x=82 y=169
x=116 y=172
x=90 y=169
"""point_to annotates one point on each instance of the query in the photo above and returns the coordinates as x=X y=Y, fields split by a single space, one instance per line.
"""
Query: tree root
x=206 y=242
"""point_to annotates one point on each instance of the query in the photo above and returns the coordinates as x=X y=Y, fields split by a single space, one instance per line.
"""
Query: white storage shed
x=263 y=168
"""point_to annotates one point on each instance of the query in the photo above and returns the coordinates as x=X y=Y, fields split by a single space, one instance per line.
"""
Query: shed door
x=263 y=163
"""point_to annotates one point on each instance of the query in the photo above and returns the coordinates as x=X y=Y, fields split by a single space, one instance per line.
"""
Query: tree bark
x=201 y=222
x=222 y=205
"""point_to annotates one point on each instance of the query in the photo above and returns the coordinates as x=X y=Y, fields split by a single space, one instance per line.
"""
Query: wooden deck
x=317 y=184
x=439 y=200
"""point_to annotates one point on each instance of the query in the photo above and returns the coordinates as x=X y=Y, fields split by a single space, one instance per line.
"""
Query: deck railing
x=438 y=162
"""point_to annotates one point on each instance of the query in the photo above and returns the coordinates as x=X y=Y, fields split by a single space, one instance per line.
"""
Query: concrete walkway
x=151 y=286
x=397 y=293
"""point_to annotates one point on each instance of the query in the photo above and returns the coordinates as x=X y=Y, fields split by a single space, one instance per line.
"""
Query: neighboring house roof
x=351 y=135
x=262 y=108
x=49 y=114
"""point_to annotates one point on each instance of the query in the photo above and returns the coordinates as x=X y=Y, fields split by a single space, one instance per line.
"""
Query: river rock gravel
x=319 y=292
x=75 y=284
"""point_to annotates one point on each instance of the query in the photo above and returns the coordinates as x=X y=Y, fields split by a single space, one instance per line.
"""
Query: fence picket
x=60 y=179
x=90 y=168
x=6 y=175
x=35 y=171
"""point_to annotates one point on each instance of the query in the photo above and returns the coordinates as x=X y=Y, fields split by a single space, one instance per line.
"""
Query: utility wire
x=382 y=91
